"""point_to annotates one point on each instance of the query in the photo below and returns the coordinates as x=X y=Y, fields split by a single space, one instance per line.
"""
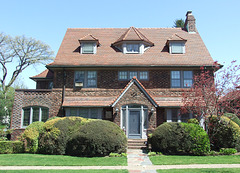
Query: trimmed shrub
x=233 y=117
x=223 y=133
x=57 y=132
x=200 y=143
x=228 y=151
x=9 y=147
x=180 y=138
x=97 y=138
x=31 y=135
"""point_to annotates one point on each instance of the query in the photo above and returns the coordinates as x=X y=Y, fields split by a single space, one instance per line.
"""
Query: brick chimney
x=190 y=24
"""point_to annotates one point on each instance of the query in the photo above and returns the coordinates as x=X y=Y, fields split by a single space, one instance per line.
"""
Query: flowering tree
x=214 y=91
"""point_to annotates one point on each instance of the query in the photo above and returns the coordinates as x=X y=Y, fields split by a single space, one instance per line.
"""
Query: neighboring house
x=131 y=76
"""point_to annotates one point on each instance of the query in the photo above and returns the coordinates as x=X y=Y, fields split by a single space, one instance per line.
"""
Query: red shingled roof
x=157 y=55
x=45 y=74
x=89 y=37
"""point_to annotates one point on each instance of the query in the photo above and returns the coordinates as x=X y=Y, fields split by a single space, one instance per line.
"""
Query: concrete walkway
x=138 y=162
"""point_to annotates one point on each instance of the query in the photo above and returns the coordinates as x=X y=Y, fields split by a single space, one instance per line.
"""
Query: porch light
x=152 y=110
x=117 y=110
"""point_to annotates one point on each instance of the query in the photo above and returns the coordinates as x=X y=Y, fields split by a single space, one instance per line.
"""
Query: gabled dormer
x=176 y=44
x=132 y=42
x=88 y=44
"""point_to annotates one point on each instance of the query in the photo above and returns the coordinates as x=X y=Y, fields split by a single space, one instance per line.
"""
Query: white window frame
x=141 y=48
x=94 y=48
x=171 y=45
x=181 y=79
x=85 y=80
x=31 y=114
x=169 y=115
x=89 y=110
x=128 y=75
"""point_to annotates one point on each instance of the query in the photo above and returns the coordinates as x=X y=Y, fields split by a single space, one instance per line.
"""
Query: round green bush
x=31 y=135
x=223 y=133
x=97 y=138
x=180 y=138
x=194 y=121
x=57 y=132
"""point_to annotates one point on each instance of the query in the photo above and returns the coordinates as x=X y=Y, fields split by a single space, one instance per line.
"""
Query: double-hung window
x=94 y=113
x=128 y=75
x=181 y=79
x=174 y=115
x=88 y=78
x=32 y=114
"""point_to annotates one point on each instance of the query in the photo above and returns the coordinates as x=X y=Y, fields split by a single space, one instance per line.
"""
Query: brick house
x=131 y=76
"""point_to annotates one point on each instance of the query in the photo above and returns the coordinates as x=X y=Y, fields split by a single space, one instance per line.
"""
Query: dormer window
x=88 y=48
x=132 y=48
x=89 y=44
x=176 y=44
x=177 y=47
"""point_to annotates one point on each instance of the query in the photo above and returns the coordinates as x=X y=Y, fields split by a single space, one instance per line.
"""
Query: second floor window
x=128 y=75
x=181 y=79
x=88 y=78
x=177 y=48
x=88 y=48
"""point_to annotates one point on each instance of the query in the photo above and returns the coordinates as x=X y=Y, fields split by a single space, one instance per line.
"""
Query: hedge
x=9 y=147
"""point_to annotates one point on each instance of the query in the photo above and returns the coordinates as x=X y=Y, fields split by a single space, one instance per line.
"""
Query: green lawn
x=58 y=160
x=202 y=170
x=186 y=160
x=66 y=171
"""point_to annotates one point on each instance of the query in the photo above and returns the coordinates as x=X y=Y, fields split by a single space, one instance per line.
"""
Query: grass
x=65 y=171
x=202 y=170
x=186 y=160
x=59 y=160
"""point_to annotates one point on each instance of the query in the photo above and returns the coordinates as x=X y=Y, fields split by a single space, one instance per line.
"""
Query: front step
x=136 y=143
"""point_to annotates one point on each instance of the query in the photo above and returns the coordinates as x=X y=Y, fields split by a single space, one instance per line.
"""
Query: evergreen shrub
x=223 y=133
x=233 y=117
x=57 y=132
x=97 y=138
x=31 y=135
x=180 y=138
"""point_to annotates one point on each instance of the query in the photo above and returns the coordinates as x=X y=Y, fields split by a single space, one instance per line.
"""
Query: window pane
x=91 y=74
x=83 y=113
x=184 y=117
x=176 y=83
x=175 y=74
x=177 y=48
x=92 y=79
x=35 y=114
x=174 y=115
x=123 y=75
x=79 y=76
x=73 y=112
x=143 y=75
x=26 y=116
x=44 y=114
x=187 y=83
x=132 y=48
x=132 y=74
x=94 y=113
x=187 y=75
x=87 y=48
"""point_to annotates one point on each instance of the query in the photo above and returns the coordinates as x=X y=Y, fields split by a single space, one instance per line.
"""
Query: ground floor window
x=173 y=115
x=94 y=113
x=32 y=114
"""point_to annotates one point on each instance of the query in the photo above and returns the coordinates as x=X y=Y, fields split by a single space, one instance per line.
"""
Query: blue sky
x=218 y=21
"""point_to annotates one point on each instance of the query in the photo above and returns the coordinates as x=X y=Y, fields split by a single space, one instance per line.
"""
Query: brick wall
x=24 y=98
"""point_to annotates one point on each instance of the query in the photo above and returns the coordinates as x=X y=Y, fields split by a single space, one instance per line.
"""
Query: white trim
x=88 y=42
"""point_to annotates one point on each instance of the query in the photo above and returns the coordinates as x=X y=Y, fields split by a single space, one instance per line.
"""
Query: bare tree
x=20 y=52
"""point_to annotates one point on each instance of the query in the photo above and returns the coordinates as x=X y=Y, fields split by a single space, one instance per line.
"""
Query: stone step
x=136 y=143
x=136 y=147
